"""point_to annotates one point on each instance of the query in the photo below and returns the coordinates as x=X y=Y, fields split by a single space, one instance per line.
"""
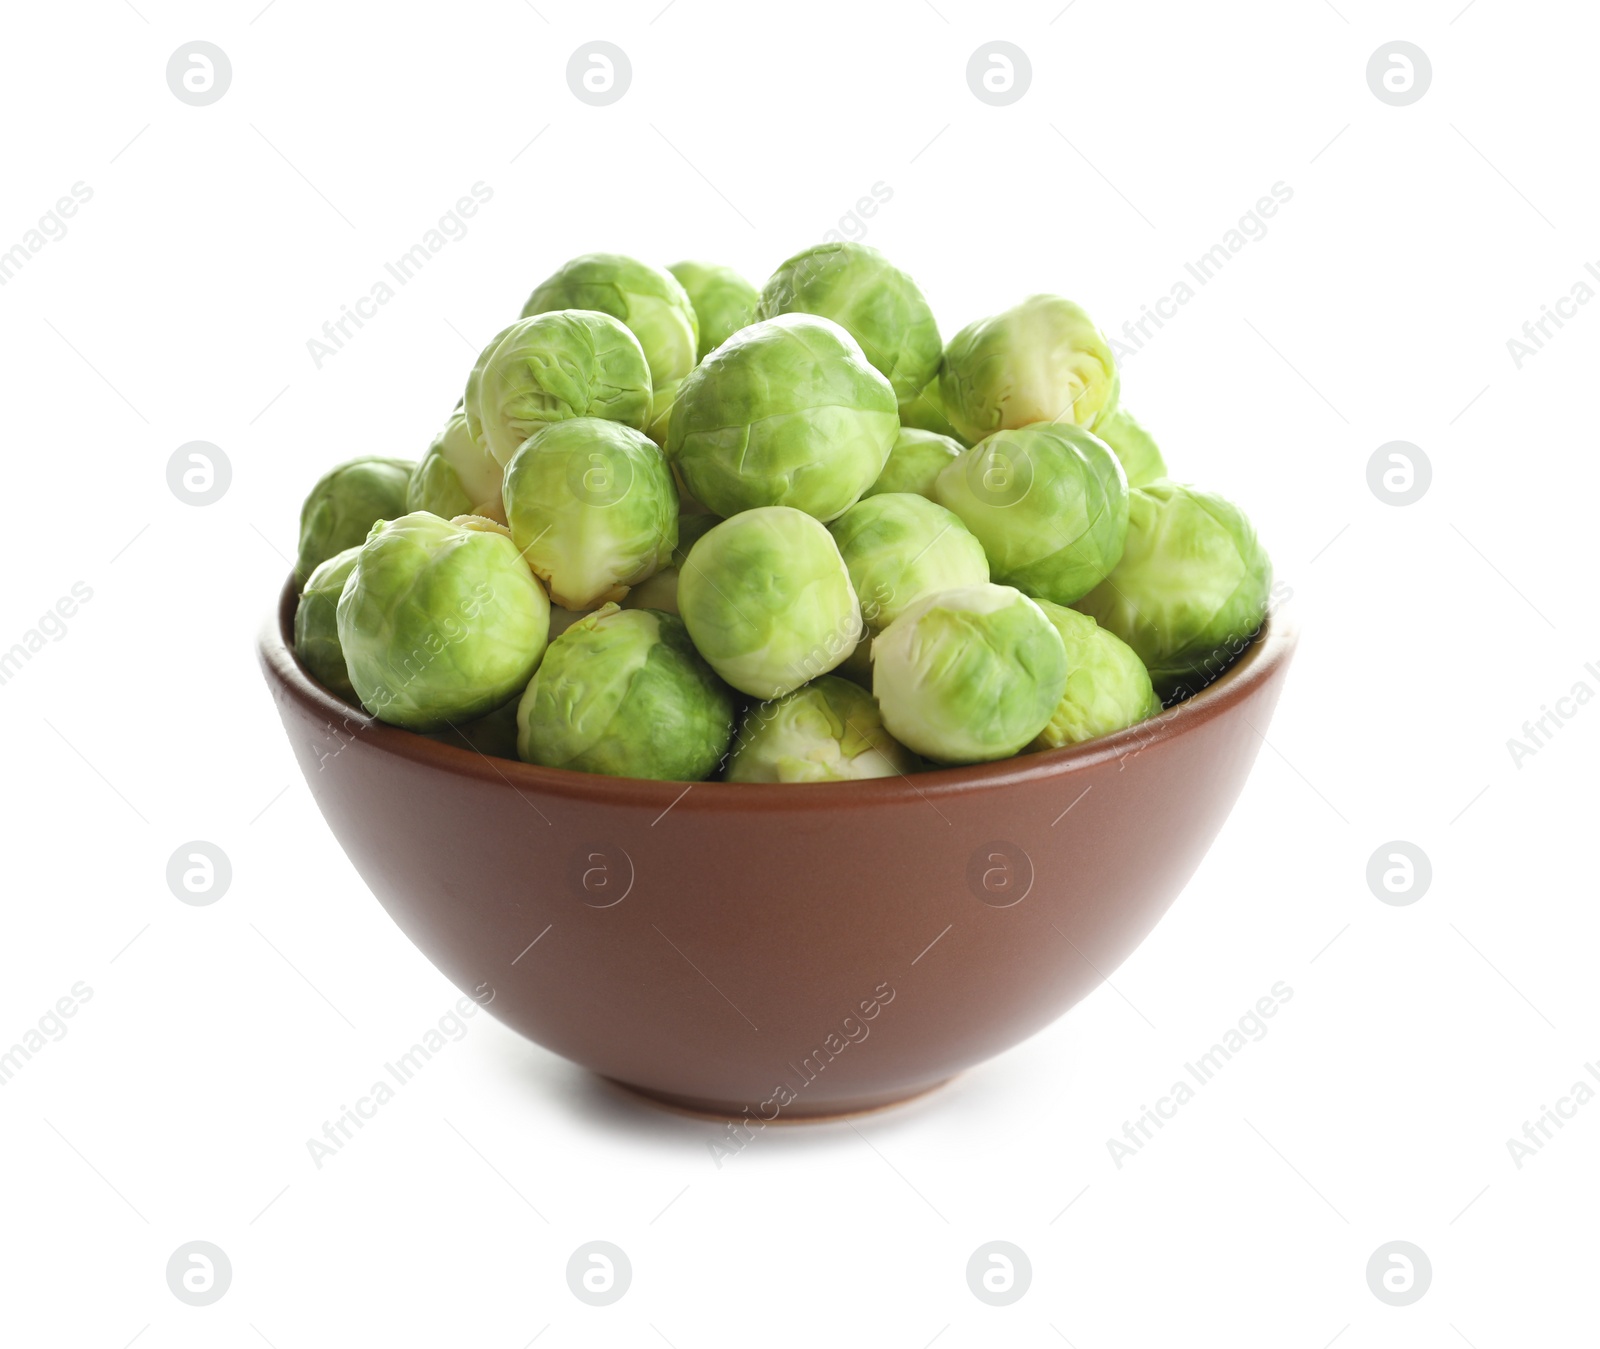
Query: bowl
x=779 y=952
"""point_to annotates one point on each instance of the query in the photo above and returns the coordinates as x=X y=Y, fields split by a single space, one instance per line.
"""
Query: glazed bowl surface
x=786 y=951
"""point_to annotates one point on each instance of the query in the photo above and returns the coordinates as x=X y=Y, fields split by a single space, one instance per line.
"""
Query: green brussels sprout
x=915 y=462
x=1108 y=688
x=649 y=300
x=768 y=601
x=457 y=476
x=469 y=400
x=871 y=299
x=1134 y=446
x=784 y=413
x=1191 y=588
x=316 y=624
x=661 y=590
x=494 y=734
x=969 y=675
x=623 y=692
x=440 y=621
x=1043 y=361
x=592 y=507
x=826 y=731
x=723 y=301
x=345 y=504
x=1049 y=503
x=900 y=547
x=925 y=412
x=551 y=368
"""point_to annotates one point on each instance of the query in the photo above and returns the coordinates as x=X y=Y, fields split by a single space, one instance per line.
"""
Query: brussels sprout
x=316 y=624
x=468 y=404
x=440 y=622
x=345 y=504
x=723 y=301
x=784 y=413
x=915 y=462
x=661 y=590
x=900 y=547
x=969 y=675
x=827 y=731
x=457 y=476
x=1133 y=445
x=925 y=412
x=768 y=601
x=624 y=692
x=873 y=300
x=650 y=301
x=494 y=734
x=1108 y=688
x=592 y=506
x=1043 y=361
x=1049 y=503
x=551 y=368
x=1191 y=588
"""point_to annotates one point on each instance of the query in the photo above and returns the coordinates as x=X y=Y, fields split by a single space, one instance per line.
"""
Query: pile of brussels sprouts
x=678 y=528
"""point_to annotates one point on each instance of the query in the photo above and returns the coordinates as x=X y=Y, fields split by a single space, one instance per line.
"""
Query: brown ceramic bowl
x=786 y=951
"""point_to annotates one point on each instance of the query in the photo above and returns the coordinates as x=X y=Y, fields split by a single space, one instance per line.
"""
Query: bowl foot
x=705 y=1108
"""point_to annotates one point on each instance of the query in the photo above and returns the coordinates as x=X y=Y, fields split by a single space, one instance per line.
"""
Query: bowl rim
x=1269 y=650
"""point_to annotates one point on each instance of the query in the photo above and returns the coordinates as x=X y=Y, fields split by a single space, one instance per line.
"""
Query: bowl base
x=703 y=1108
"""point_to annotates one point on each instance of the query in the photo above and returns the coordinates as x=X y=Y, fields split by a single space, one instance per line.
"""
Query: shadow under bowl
x=786 y=951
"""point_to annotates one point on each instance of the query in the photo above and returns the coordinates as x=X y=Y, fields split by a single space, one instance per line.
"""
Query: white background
x=1419 y=1038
